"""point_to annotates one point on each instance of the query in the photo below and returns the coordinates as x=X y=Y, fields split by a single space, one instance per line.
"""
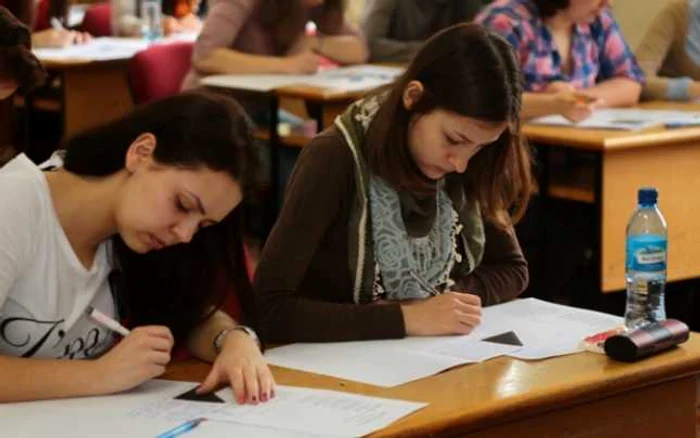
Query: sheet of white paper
x=378 y=363
x=100 y=49
x=107 y=48
x=152 y=409
x=322 y=412
x=355 y=78
x=625 y=119
x=545 y=329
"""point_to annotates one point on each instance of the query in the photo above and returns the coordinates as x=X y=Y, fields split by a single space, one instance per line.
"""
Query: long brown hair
x=470 y=71
x=178 y=286
x=285 y=19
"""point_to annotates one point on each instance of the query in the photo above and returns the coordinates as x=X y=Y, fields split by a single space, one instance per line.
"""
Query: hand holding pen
x=447 y=313
x=142 y=354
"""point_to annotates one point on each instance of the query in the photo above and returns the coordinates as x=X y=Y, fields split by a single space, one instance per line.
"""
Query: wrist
x=407 y=313
x=231 y=332
x=94 y=375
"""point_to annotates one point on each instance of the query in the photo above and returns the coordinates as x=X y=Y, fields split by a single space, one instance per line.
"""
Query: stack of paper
x=625 y=119
x=525 y=329
x=159 y=406
x=107 y=48
x=355 y=78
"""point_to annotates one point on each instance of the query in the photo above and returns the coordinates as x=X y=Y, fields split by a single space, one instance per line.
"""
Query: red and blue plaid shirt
x=598 y=49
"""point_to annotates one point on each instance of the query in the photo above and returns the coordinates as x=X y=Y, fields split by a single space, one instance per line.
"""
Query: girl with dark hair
x=139 y=221
x=20 y=71
x=268 y=36
x=572 y=53
x=396 y=29
x=398 y=219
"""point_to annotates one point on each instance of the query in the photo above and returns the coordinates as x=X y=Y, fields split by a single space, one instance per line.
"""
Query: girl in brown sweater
x=398 y=219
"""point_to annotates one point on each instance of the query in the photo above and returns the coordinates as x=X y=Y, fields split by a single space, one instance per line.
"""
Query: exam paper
x=153 y=409
x=355 y=78
x=99 y=49
x=624 y=119
x=525 y=329
x=380 y=363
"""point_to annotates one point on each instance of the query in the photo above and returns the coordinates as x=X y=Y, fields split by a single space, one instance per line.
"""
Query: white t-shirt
x=44 y=289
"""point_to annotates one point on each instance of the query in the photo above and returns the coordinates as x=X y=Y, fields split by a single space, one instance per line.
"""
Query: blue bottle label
x=646 y=253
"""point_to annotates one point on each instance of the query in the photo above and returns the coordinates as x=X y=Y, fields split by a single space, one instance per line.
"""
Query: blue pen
x=183 y=428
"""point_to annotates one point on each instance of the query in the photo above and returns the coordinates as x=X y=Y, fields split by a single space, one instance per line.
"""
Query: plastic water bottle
x=647 y=242
x=151 y=20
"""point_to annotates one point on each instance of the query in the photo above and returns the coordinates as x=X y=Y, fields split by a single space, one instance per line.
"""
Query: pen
x=183 y=428
x=430 y=289
x=106 y=321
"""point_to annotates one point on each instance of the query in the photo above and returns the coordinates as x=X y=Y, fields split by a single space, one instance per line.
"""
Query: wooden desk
x=584 y=395
x=623 y=162
x=94 y=92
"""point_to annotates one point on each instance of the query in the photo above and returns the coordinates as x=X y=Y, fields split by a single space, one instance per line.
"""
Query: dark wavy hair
x=471 y=71
x=16 y=59
x=178 y=286
x=548 y=8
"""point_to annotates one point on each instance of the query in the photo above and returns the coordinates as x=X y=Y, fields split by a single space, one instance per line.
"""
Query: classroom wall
x=634 y=16
x=354 y=10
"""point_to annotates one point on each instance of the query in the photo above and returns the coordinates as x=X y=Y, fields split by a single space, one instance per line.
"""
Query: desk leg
x=274 y=145
x=592 y=299
x=315 y=110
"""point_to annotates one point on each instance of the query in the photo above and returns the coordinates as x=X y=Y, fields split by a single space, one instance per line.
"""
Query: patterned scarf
x=383 y=257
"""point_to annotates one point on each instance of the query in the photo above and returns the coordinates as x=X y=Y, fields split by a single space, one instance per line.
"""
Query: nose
x=184 y=231
x=459 y=164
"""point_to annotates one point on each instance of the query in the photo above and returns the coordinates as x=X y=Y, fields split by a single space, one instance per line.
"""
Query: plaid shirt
x=598 y=49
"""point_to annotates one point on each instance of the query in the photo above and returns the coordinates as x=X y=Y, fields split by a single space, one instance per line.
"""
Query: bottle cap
x=647 y=196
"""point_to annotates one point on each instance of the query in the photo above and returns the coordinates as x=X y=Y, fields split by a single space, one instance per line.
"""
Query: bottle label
x=646 y=253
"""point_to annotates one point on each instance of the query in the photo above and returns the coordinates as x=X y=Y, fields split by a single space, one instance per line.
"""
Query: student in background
x=19 y=71
x=268 y=36
x=572 y=53
x=179 y=16
x=38 y=15
x=396 y=29
x=139 y=222
x=412 y=193
x=669 y=53
x=182 y=16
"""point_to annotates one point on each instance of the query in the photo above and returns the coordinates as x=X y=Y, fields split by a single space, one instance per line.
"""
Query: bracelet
x=219 y=338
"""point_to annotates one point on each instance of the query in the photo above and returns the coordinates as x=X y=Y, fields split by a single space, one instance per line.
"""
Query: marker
x=106 y=321
x=183 y=428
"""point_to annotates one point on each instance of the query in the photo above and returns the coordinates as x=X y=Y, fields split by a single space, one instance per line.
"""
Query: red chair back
x=158 y=71
x=98 y=20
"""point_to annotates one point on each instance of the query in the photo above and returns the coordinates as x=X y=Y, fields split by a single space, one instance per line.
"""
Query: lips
x=155 y=242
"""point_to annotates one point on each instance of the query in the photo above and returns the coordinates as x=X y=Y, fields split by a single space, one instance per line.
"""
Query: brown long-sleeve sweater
x=664 y=53
x=303 y=282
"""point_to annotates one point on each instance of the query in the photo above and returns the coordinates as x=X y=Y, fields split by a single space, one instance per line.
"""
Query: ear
x=412 y=94
x=140 y=153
